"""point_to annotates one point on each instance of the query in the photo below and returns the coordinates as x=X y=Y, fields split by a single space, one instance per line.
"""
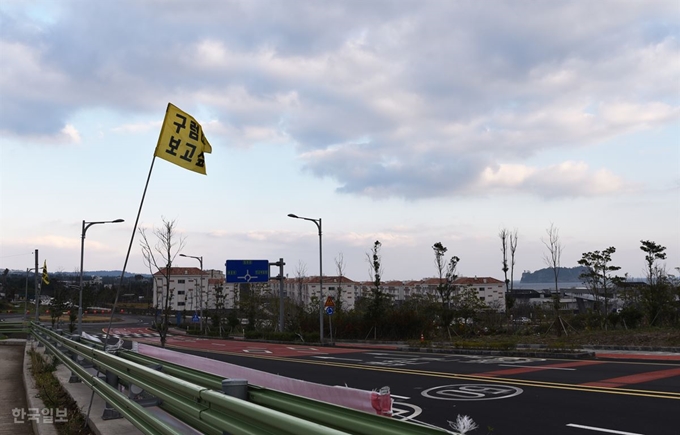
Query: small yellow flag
x=182 y=141
x=45 y=277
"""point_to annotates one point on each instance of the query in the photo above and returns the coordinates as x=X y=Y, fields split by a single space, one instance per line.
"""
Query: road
x=503 y=395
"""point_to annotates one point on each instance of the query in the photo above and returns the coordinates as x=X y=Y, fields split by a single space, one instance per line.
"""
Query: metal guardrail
x=14 y=328
x=197 y=398
x=338 y=417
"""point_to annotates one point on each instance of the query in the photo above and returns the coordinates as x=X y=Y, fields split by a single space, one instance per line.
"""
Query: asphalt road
x=502 y=395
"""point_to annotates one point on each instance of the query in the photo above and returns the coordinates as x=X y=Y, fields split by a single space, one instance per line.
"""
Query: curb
x=32 y=398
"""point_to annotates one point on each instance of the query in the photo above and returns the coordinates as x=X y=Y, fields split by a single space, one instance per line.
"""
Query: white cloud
x=567 y=179
x=407 y=100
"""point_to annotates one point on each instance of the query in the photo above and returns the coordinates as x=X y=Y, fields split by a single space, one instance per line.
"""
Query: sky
x=407 y=122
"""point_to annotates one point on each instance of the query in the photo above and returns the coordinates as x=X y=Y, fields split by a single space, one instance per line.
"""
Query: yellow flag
x=182 y=141
x=45 y=278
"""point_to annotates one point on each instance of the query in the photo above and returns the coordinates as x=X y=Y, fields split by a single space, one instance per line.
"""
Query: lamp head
x=293 y=215
x=117 y=221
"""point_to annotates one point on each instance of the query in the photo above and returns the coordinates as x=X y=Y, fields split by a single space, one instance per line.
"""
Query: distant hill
x=566 y=274
x=104 y=273
x=87 y=273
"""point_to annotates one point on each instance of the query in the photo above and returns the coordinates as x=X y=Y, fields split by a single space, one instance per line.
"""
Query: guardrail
x=14 y=328
x=198 y=399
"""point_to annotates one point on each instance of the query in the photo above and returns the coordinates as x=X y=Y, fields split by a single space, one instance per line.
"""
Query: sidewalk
x=13 y=392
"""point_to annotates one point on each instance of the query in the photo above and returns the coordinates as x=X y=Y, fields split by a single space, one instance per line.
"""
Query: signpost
x=247 y=271
x=329 y=307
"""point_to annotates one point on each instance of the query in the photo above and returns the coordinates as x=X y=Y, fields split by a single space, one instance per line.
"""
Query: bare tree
x=340 y=268
x=514 y=237
x=300 y=275
x=504 y=235
x=554 y=255
x=553 y=259
x=160 y=258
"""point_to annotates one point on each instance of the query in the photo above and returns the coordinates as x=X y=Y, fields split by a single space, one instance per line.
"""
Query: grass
x=54 y=396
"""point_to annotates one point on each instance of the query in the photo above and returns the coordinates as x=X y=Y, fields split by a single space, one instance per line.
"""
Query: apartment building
x=192 y=289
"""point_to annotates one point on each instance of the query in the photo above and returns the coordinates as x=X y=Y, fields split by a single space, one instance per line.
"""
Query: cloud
x=389 y=99
x=567 y=179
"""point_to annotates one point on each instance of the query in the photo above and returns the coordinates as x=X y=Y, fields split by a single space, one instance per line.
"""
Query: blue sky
x=406 y=122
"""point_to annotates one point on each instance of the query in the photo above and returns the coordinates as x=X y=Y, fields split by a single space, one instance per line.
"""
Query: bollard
x=237 y=388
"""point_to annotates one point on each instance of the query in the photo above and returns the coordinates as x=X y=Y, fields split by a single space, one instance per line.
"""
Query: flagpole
x=122 y=274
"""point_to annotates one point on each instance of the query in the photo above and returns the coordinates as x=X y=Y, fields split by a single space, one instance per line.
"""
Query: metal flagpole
x=122 y=274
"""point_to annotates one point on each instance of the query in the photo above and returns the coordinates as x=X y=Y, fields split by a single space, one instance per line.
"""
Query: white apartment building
x=190 y=288
x=340 y=288
x=186 y=284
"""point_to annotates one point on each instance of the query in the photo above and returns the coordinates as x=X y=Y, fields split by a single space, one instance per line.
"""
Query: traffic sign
x=329 y=311
x=247 y=270
x=195 y=319
x=329 y=302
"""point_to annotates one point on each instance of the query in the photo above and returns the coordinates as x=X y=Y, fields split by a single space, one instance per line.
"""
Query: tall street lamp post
x=86 y=225
x=317 y=222
x=28 y=269
x=200 y=299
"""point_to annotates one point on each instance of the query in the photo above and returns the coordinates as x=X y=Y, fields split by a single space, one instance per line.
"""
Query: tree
x=657 y=298
x=300 y=275
x=8 y=295
x=598 y=276
x=160 y=258
x=553 y=259
x=653 y=253
x=504 y=235
x=514 y=237
x=446 y=270
x=219 y=306
x=377 y=300
x=340 y=268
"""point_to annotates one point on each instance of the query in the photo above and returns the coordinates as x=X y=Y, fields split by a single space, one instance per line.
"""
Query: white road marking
x=599 y=429
x=218 y=344
x=399 y=397
x=535 y=367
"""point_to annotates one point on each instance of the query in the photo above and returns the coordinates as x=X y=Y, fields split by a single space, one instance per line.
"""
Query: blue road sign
x=178 y=317
x=247 y=270
x=329 y=311
x=195 y=319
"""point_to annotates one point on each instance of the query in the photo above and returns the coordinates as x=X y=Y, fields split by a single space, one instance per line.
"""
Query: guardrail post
x=36 y=335
x=237 y=388
x=140 y=396
x=109 y=411
x=74 y=357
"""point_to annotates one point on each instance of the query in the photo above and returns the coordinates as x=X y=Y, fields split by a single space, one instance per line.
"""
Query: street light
x=317 y=222
x=28 y=269
x=86 y=225
x=200 y=299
